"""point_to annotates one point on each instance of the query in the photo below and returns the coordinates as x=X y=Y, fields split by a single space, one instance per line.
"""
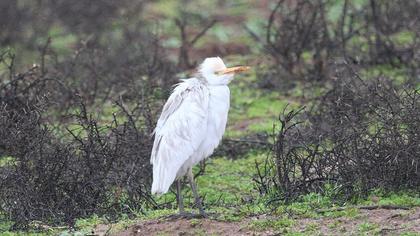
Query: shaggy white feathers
x=191 y=125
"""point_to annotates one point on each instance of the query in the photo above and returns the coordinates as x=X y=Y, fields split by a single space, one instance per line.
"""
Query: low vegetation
x=322 y=138
x=361 y=135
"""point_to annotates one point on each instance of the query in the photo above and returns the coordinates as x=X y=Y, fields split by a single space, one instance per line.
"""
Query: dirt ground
x=378 y=221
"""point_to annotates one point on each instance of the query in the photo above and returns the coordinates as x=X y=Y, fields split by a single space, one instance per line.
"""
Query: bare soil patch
x=380 y=221
x=188 y=227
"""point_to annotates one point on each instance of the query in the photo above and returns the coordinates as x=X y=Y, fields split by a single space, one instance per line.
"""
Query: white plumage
x=191 y=124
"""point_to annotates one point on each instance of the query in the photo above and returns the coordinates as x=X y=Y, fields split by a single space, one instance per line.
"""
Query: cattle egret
x=191 y=126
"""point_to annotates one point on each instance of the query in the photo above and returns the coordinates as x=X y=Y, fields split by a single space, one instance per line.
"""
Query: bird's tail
x=162 y=179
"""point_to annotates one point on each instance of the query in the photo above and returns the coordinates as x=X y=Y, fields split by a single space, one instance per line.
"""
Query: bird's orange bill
x=236 y=69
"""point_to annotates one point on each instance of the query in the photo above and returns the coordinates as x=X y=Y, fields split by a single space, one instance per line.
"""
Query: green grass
x=403 y=38
x=228 y=190
x=405 y=198
x=410 y=234
x=282 y=225
x=5 y=225
x=61 y=41
x=254 y=110
x=226 y=184
x=398 y=75
x=5 y=230
x=367 y=228
x=6 y=160
x=334 y=225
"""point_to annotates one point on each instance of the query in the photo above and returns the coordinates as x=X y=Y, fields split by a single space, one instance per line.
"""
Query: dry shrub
x=75 y=129
x=235 y=148
x=91 y=17
x=295 y=28
x=361 y=135
x=388 y=23
x=302 y=37
x=132 y=66
x=62 y=155
x=26 y=21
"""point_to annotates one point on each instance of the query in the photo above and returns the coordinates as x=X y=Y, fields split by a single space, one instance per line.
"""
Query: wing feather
x=179 y=132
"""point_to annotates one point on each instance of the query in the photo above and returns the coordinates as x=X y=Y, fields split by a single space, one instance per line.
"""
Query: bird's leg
x=179 y=197
x=194 y=190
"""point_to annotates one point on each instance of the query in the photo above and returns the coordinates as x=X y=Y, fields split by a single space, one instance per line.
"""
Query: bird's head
x=215 y=72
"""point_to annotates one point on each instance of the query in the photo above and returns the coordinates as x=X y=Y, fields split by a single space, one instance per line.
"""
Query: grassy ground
x=229 y=194
x=227 y=185
x=231 y=197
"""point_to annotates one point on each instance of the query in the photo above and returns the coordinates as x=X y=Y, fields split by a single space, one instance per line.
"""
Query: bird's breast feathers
x=191 y=125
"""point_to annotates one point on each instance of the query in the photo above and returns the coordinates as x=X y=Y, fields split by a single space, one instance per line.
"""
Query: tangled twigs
x=369 y=207
x=361 y=135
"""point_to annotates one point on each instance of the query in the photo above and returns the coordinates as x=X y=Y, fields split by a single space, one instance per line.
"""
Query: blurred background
x=330 y=108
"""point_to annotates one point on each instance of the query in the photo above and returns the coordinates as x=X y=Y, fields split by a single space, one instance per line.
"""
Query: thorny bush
x=360 y=136
x=26 y=21
x=303 y=37
x=92 y=157
x=99 y=73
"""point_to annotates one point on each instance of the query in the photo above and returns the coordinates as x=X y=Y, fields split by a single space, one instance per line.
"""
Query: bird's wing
x=179 y=132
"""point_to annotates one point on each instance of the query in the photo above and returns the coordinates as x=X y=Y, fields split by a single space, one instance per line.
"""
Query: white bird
x=191 y=126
